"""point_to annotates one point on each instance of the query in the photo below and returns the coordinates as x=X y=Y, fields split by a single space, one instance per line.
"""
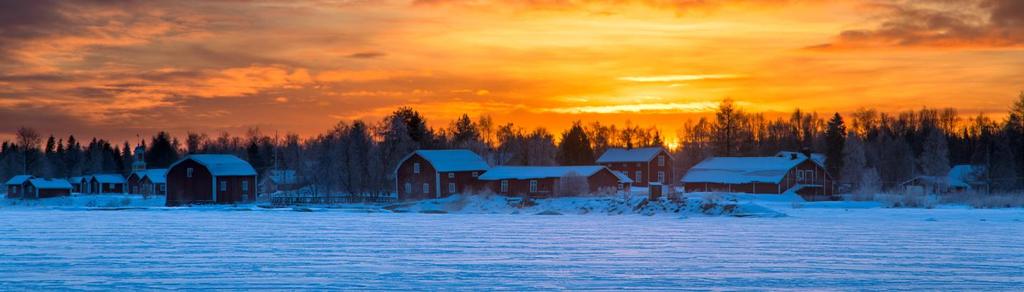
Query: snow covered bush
x=573 y=184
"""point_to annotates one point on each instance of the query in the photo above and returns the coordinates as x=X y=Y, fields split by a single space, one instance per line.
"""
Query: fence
x=307 y=198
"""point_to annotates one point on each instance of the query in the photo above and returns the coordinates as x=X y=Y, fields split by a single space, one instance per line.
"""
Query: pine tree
x=574 y=149
x=835 y=139
x=162 y=152
x=934 y=159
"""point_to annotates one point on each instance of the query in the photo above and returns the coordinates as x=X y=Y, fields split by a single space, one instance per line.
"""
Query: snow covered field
x=813 y=246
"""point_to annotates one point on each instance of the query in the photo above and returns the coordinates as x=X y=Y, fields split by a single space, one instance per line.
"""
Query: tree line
x=873 y=151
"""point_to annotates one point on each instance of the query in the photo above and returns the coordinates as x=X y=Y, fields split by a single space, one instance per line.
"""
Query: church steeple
x=140 y=159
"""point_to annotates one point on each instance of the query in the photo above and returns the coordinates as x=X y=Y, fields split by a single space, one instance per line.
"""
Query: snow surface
x=814 y=246
x=629 y=155
x=453 y=160
x=735 y=170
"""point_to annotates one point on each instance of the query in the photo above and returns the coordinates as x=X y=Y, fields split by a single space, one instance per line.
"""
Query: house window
x=533 y=186
x=416 y=167
x=476 y=174
x=799 y=175
x=223 y=185
x=661 y=177
x=451 y=175
x=451 y=187
x=408 y=187
x=504 y=186
x=426 y=188
x=809 y=176
x=188 y=172
x=637 y=164
x=245 y=187
x=640 y=176
x=661 y=160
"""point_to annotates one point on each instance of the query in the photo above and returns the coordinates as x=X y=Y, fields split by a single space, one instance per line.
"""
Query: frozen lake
x=876 y=249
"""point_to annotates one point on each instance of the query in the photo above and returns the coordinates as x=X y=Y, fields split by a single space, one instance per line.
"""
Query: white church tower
x=140 y=159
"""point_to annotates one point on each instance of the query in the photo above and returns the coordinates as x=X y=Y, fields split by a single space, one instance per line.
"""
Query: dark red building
x=430 y=174
x=545 y=181
x=107 y=184
x=16 y=185
x=39 y=188
x=761 y=175
x=210 y=179
x=642 y=165
x=148 y=182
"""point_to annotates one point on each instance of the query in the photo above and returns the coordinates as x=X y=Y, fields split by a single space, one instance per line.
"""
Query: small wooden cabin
x=39 y=188
x=642 y=165
x=761 y=175
x=548 y=181
x=210 y=179
x=107 y=184
x=429 y=174
x=279 y=180
x=16 y=185
x=154 y=182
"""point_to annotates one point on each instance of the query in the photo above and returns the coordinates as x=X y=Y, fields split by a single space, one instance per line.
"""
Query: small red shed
x=549 y=181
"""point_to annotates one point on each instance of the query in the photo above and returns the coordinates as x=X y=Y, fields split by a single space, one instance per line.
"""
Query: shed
x=550 y=181
x=428 y=174
x=642 y=165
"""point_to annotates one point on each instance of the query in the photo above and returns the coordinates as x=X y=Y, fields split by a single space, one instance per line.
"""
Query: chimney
x=792 y=156
x=806 y=151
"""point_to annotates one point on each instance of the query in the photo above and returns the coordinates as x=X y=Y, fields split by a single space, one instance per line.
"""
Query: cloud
x=366 y=55
x=635 y=108
x=939 y=23
x=677 y=78
x=605 y=6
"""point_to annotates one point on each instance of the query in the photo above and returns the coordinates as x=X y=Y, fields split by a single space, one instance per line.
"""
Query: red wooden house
x=429 y=174
x=15 y=185
x=643 y=165
x=107 y=184
x=210 y=179
x=39 y=188
x=761 y=175
x=544 y=181
x=148 y=182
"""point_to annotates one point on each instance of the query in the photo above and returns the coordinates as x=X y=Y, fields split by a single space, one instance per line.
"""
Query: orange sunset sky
x=115 y=69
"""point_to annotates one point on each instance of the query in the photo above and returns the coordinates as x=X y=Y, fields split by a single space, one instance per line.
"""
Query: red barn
x=107 y=184
x=761 y=175
x=15 y=186
x=39 y=188
x=429 y=174
x=545 y=181
x=642 y=165
x=210 y=178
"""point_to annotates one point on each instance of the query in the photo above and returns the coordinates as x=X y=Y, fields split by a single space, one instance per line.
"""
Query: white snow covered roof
x=535 y=172
x=736 y=170
x=816 y=157
x=157 y=176
x=960 y=176
x=453 y=160
x=18 y=179
x=222 y=164
x=76 y=179
x=623 y=178
x=629 y=155
x=109 y=178
x=50 y=184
